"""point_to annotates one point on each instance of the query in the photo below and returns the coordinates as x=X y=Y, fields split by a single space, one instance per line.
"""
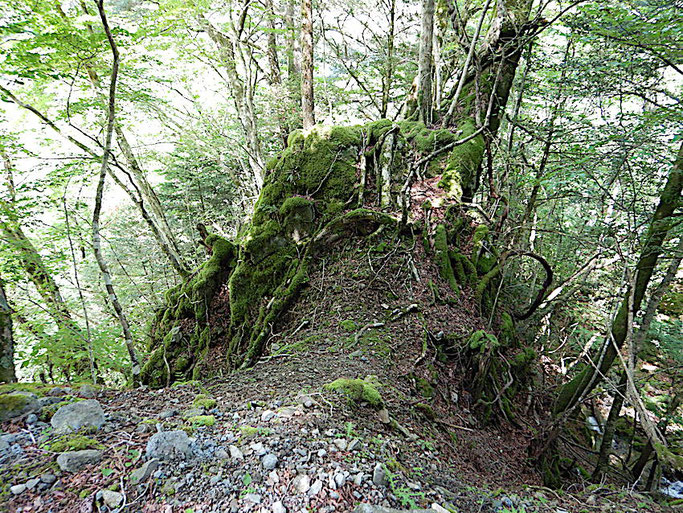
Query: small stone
x=267 y=415
x=269 y=461
x=383 y=415
x=278 y=507
x=31 y=483
x=56 y=391
x=31 y=419
x=48 y=479
x=169 y=445
x=87 y=391
x=301 y=483
x=354 y=444
x=143 y=473
x=358 y=480
x=75 y=460
x=221 y=454
x=322 y=453
x=111 y=499
x=75 y=416
x=258 y=448
x=341 y=443
x=253 y=497
x=235 y=453
x=339 y=480
x=167 y=414
x=315 y=488
x=379 y=475
x=273 y=477
x=17 y=489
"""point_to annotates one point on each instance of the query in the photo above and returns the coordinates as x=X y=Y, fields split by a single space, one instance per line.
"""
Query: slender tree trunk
x=388 y=78
x=7 y=374
x=610 y=429
x=658 y=230
x=426 y=63
x=307 y=102
x=229 y=47
x=274 y=76
x=96 y=239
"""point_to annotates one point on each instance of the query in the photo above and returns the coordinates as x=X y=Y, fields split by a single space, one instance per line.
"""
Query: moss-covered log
x=329 y=184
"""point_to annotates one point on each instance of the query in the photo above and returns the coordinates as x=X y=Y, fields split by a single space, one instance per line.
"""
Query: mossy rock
x=357 y=390
x=425 y=410
x=424 y=387
x=204 y=401
x=16 y=404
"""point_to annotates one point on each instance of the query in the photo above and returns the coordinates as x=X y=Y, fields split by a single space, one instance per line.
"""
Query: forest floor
x=274 y=439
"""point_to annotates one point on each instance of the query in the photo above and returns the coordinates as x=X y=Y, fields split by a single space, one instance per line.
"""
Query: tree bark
x=426 y=63
x=7 y=373
x=96 y=238
x=658 y=230
x=610 y=429
x=307 y=100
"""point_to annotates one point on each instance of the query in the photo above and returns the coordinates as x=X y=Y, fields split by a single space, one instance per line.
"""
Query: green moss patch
x=204 y=401
x=73 y=443
x=202 y=420
x=357 y=390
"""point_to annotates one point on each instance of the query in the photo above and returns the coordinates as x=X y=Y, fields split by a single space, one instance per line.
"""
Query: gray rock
x=278 y=507
x=253 y=497
x=75 y=416
x=236 y=453
x=17 y=404
x=169 y=445
x=17 y=489
x=267 y=415
x=316 y=487
x=87 y=391
x=48 y=479
x=341 y=443
x=379 y=475
x=142 y=474
x=31 y=483
x=75 y=460
x=221 y=454
x=31 y=419
x=269 y=461
x=111 y=499
x=354 y=444
x=4 y=445
x=339 y=480
x=167 y=414
x=301 y=483
x=56 y=392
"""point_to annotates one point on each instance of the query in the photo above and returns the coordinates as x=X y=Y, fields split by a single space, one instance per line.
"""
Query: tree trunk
x=307 y=102
x=610 y=429
x=658 y=230
x=426 y=63
x=7 y=374
x=96 y=238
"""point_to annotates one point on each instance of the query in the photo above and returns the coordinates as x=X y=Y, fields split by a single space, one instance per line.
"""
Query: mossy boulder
x=357 y=390
x=17 y=404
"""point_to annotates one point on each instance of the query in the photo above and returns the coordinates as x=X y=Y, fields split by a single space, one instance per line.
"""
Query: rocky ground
x=234 y=447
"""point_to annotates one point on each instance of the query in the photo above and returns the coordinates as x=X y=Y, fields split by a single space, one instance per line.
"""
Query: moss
x=425 y=388
x=443 y=258
x=357 y=390
x=482 y=342
x=38 y=389
x=203 y=401
x=348 y=325
x=13 y=405
x=507 y=334
x=73 y=443
x=425 y=410
x=202 y=420
x=47 y=412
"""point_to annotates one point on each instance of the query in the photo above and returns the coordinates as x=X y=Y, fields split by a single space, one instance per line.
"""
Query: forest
x=315 y=256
